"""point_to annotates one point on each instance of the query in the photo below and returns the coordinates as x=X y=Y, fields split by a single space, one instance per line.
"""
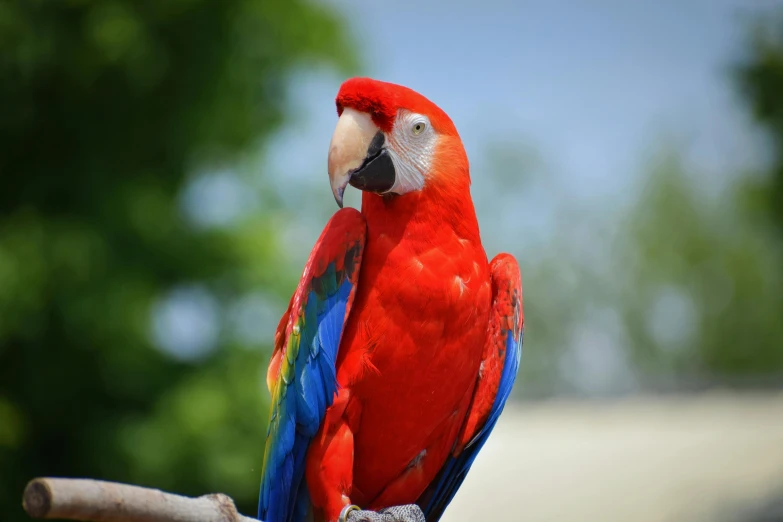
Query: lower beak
x=357 y=156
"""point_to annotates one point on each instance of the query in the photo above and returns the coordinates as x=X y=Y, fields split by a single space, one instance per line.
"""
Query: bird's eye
x=419 y=127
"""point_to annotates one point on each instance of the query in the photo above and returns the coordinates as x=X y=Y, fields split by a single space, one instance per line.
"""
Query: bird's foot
x=406 y=513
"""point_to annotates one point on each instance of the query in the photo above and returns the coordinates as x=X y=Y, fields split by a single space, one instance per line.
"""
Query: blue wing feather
x=306 y=382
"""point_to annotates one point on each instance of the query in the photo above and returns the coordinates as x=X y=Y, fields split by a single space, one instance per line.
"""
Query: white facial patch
x=411 y=147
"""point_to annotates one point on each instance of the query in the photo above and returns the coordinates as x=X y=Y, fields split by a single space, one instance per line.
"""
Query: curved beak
x=357 y=156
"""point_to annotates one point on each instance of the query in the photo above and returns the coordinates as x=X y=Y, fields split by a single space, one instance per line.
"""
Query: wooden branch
x=98 y=501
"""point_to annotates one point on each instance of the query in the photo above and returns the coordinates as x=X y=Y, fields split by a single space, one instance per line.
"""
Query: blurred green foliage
x=761 y=80
x=702 y=286
x=108 y=108
x=680 y=287
x=717 y=258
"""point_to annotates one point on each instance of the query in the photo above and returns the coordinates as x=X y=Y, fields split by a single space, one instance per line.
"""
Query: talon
x=346 y=510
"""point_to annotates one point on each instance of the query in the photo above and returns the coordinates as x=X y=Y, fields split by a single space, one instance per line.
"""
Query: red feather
x=382 y=100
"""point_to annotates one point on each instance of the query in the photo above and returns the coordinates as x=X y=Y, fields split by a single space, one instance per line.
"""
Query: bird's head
x=392 y=140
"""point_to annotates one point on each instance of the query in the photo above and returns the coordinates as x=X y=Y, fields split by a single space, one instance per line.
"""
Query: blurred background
x=163 y=178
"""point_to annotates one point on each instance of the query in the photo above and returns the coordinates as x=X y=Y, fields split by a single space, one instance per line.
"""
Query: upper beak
x=357 y=156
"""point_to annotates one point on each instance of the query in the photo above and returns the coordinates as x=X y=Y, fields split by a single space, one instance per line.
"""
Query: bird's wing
x=497 y=374
x=301 y=376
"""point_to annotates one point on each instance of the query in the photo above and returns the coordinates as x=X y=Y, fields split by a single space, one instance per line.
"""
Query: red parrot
x=402 y=342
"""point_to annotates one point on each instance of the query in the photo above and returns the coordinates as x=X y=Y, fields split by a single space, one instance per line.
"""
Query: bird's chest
x=410 y=356
x=415 y=306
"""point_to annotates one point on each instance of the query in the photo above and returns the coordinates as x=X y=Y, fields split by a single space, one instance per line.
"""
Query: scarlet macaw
x=402 y=342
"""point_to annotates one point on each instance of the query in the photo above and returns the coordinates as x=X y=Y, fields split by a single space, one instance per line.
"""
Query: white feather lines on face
x=411 y=147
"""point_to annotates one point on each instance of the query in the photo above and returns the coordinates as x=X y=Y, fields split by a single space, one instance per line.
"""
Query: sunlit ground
x=702 y=458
